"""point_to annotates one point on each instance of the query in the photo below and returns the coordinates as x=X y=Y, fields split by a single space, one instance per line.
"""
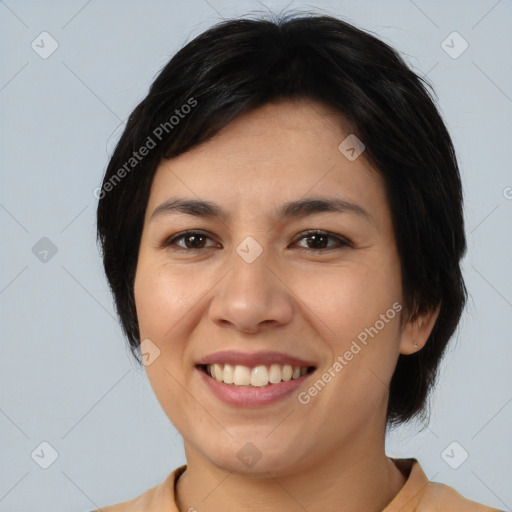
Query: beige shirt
x=417 y=495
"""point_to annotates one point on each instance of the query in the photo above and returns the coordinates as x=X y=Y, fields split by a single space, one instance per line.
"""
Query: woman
x=281 y=225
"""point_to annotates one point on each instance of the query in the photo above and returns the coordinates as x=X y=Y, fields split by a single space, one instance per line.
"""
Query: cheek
x=348 y=300
x=163 y=297
x=356 y=311
x=163 y=301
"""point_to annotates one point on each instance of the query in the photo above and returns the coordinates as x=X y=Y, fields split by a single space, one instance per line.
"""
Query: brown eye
x=190 y=240
x=319 y=241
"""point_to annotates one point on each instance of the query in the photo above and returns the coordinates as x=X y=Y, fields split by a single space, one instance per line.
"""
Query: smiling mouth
x=256 y=376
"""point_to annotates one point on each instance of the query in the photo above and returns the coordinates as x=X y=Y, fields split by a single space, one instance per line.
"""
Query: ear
x=416 y=331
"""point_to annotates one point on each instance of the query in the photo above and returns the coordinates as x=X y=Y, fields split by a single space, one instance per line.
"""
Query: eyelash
x=340 y=241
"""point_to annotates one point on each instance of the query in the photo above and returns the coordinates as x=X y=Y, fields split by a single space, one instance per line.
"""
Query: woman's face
x=253 y=280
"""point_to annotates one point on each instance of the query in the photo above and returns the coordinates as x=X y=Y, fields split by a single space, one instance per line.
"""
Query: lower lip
x=252 y=396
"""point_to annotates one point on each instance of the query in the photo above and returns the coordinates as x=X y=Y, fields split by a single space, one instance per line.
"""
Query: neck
x=349 y=479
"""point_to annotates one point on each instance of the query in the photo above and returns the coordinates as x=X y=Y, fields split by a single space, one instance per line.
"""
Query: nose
x=251 y=297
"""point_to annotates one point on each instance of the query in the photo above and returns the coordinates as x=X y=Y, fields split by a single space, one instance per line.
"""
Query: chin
x=257 y=455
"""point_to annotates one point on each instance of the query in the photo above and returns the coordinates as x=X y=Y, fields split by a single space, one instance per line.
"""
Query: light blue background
x=66 y=375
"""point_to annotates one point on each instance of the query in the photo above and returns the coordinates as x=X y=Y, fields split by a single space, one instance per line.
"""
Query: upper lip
x=252 y=359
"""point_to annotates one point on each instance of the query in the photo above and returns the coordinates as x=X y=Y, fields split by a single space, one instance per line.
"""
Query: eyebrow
x=293 y=209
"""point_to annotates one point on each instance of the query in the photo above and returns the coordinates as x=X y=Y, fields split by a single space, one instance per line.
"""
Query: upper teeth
x=261 y=375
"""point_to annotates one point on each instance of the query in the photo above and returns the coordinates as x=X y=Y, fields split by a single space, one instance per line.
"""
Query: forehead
x=277 y=153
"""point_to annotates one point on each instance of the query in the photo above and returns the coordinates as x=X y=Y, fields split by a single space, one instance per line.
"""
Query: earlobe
x=417 y=331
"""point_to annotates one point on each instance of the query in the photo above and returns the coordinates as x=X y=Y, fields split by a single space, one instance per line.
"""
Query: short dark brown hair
x=242 y=64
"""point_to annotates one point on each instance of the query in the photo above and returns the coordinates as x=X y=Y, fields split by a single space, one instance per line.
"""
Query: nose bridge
x=251 y=265
x=250 y=277
x=250 y=295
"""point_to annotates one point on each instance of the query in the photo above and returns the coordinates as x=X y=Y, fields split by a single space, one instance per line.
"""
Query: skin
x=324 y=455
